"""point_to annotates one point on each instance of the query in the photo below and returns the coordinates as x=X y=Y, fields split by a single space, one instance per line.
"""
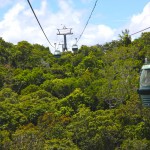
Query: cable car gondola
x=57 y=54
x=144 y=89
x=74 y=48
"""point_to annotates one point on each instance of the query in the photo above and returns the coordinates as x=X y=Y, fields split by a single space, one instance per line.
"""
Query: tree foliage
x=87 y=100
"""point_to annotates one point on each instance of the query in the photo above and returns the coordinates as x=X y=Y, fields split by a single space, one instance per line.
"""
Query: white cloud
x=97 y=34
x=10 y=26
x=14 y=12
x=140 y=21
x=19 y=24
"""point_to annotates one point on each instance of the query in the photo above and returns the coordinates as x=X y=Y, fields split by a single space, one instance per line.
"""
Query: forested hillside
x=82 y=101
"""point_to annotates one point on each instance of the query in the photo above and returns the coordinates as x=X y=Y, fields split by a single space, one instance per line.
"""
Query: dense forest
x=81 y=101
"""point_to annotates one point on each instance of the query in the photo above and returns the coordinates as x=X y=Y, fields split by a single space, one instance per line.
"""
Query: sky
x=109 y=19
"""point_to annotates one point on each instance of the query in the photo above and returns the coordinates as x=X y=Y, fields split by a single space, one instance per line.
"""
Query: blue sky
x=109 y=18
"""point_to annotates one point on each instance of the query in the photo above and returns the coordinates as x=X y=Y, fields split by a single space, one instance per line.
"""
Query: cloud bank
x=19 y=24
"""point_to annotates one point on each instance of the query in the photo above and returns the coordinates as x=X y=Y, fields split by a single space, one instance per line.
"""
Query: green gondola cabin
x=144 y=89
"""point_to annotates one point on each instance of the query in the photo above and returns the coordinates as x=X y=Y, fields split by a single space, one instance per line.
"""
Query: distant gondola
x=57 y=54
x=144 y=90
x=74 y=48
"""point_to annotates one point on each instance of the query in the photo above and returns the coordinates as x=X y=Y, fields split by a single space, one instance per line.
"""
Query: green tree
x=26 y=138
x=62 y=144
x=125 y=38
x=76 y=98
x=59 y=88
x=135 y=145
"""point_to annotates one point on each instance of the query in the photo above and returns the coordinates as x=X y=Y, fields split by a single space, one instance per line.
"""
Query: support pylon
x=64 y=31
